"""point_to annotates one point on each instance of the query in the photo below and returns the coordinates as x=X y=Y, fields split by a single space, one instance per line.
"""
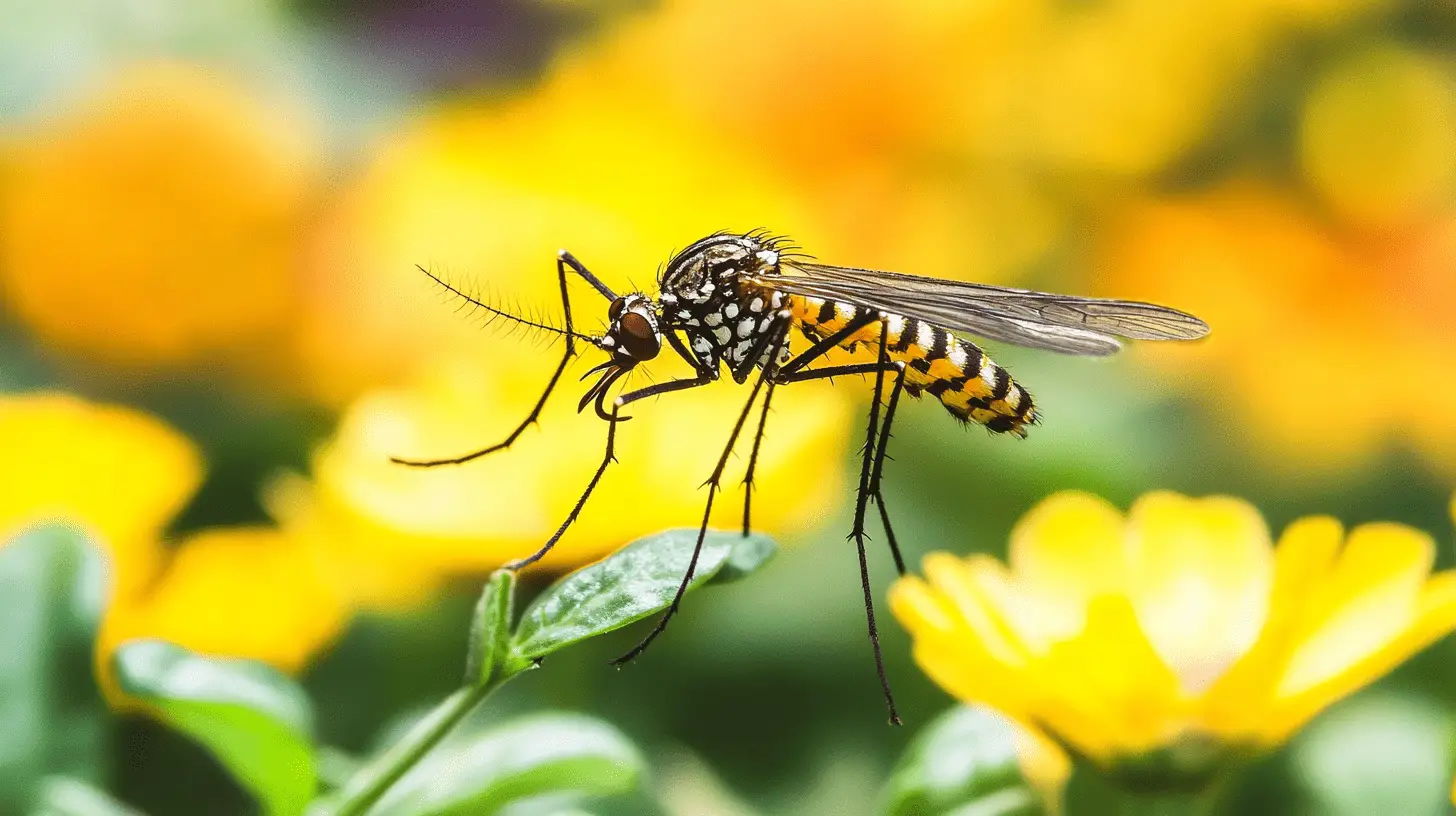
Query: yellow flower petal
x=118 y=473
x=1434 y=618
x=942 y=632
x=1065 y=551
x=1109 y=686
x=1236 y=704
x=1370 y=597
x=1044 y=765
x=1201 y=571
x=920 y=609
x=956 y=580
x=238 y=592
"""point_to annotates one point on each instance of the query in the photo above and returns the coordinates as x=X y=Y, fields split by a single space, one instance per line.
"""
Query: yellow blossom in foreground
x=121 y=475
x=1175 y=636
x=401 y=530
x=159 y=223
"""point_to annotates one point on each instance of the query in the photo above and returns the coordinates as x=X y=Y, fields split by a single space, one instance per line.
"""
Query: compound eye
x=615 y=310
x=638 y=338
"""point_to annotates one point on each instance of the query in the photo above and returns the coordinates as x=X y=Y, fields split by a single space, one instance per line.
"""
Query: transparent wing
x=1061 y=323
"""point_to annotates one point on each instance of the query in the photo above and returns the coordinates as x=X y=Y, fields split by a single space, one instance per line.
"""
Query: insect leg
x=613 y=421
x=857 y=534
x=753 y=458
x=607 y=459
x=564 y=257
x=684 y=352
x=780 y=333
x=822 y=347
x=563 y=260
x=875 y=488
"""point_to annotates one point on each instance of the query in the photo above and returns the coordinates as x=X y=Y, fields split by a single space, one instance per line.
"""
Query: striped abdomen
x=953 y=370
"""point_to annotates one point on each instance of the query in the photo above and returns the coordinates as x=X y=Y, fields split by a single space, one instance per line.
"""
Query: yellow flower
x=239 y=592
x=1327 y=347
x=1378 y=136
x=1165 y=641
x=159 y=224
x=121 y=476
x=486 y=197
x=402 y=530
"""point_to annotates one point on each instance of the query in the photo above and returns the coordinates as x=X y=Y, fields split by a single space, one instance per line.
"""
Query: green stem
x=371 y=783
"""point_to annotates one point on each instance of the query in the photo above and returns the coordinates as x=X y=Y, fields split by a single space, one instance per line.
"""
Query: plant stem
x=371 y=783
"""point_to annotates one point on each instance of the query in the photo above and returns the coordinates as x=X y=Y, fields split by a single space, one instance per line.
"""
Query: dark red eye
x=615 y=310
x=638 y=338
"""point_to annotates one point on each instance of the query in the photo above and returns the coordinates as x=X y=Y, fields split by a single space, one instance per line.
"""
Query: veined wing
x=1061 y=323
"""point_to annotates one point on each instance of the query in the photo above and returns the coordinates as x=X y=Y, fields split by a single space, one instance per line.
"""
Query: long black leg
x=714 y=483
x=613 y=421
x=869 y=368
x=823 y=347
x=875 y=487
x=564 y=259
x=862 y=495
x=753 y=459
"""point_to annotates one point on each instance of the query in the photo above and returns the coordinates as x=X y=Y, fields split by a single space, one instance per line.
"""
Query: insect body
x=951 y=369
x=732 y=302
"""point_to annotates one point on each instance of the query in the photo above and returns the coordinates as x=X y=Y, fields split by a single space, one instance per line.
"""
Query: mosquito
x=731 y=301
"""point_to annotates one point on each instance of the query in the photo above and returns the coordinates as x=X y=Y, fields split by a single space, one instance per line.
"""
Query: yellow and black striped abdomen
x=953 y=370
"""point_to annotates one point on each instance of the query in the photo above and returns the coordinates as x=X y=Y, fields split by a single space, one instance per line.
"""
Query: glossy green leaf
x=626 y=586
x=64 y=796
x=963 y=764
x=52 y=593
x=488 y=655
x=257 y=722
x=482 y=772
x=748 y=556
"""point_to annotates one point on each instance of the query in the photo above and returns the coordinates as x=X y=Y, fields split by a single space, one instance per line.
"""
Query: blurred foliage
x=52 y=592
x=210 y=212
x=258 y=723
x=964 y=762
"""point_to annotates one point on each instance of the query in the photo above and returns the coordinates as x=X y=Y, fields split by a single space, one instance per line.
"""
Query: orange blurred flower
x=158 y=224
x=1328 y=346
x=121 y=475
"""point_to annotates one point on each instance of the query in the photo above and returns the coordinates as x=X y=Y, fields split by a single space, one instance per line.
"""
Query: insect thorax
x=724 y=318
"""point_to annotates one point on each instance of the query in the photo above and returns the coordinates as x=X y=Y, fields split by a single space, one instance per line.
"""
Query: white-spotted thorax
x=725 y=320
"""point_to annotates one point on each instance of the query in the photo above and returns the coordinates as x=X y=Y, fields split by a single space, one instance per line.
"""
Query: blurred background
x=213 y=334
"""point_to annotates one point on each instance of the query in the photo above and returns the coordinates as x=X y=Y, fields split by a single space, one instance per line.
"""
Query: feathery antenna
x=477 y=304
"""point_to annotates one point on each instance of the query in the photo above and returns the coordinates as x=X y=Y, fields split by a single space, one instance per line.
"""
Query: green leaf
x=963 y=764
x=256 y=721
x=481 y=773
x=749 y=555
x=626 y=586
x=489 y=655
x=64 y=796
x=52 y=593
